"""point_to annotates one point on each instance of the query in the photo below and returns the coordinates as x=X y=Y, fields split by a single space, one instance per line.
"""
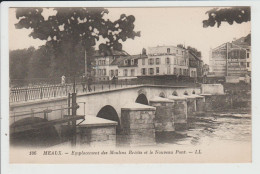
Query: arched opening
x=162 y=95
x=186 y=93
x=109 y=113
x=193 y=92
x=36 y=137
x=142 y=99
x=175 y=93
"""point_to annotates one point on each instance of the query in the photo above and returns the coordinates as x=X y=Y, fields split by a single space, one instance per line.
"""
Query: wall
x=212 y=89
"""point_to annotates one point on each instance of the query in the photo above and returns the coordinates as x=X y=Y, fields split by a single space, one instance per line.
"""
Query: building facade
x=164 y=60
x=231 y=60
x=105 y=65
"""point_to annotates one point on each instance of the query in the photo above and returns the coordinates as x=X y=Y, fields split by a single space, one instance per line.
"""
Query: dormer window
x=126 y=62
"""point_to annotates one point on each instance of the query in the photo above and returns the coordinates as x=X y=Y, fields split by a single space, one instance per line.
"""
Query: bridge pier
x=200 y=104
x=180 y=112
x=191 y=105
x=96 y=131
x=137 y=124
x=164 y=115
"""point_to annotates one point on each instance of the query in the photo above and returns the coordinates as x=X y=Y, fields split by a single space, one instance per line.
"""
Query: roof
x=97 y=53
x=193 y=56
x=120 y=61
x=244 y=42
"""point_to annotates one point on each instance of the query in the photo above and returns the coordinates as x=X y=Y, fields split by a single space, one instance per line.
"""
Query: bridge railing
x=51 y=91
x=39 y=92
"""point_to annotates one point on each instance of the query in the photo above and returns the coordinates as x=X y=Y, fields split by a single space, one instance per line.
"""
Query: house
x=164 y=60
x=105 y=64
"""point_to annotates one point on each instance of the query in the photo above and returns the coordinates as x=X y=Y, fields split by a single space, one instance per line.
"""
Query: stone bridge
x=104 y=104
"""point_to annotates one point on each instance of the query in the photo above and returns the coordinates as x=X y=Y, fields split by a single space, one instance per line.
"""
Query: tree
x=73 y=26
x=230 y=15
x=194 y=51
x=19 y=60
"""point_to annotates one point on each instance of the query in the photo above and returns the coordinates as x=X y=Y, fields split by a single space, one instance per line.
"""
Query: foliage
x=19 y=62
x=73 y=28
x=194 y=51
x=229 y=15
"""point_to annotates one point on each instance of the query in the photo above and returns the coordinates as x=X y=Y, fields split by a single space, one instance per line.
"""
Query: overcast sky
x=158 y=26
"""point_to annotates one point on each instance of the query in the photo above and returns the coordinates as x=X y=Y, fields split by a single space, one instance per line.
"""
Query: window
x=132 y=62
x=157 y=61
x=143 y=71
x=157 y=70
x=112 y=73
x=247 y=55
x=168 y=50
x=103 y=62
x=180 y=71
x=151 y=71
x=132 y=72
x=151 y=61
x=99 y=62
x=125 y=72
x=143 y=61
x=248 y=64
x=116 y=72
x=175 y=61
x=167 y=60
x=175 y=71
x=104 y=72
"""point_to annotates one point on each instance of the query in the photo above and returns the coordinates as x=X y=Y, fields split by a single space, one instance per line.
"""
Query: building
x=118 y=64
x=195 y=65
x=232 y=60
x=164 y=60
x=128 y=66
x=105 y=65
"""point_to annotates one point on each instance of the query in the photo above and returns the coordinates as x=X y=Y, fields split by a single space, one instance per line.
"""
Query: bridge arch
x=142 y=99
x=108 y=112
x=162 y=95
x=175 y=93
x=41 y=137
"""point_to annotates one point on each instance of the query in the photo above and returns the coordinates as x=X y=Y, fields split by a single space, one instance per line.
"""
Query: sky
x=158 y=26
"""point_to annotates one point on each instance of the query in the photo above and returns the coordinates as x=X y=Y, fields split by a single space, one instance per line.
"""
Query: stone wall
x=96 y=136
x=137 y=124
x=212 y=89
x=164 y=115
x=200 y=104
x=179 y=112
x=96 y=131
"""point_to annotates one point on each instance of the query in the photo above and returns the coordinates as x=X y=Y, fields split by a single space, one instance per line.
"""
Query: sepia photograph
x=130 y=84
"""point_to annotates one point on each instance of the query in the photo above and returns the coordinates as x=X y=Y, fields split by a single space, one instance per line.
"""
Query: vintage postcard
x=141 y=84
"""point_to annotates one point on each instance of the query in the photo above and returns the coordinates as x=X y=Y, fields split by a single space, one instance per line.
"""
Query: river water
x=213 y=128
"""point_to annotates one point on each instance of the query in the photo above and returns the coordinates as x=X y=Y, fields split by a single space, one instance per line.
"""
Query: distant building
x=164 y=60
x=128 y=66
x=105 y=65
x=195 y=65
x=231 y=60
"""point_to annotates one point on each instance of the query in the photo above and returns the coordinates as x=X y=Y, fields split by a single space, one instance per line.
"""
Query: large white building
x=164 y=60
x=232 y=60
